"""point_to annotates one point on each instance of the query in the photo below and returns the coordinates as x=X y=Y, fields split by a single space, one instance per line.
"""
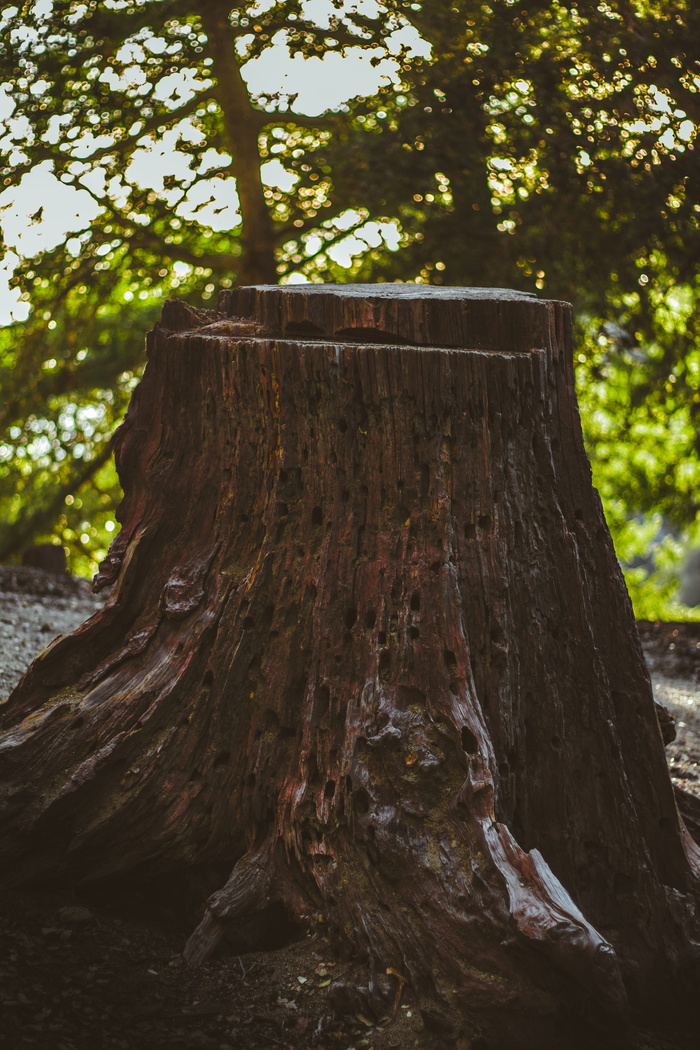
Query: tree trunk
x=243 y=124
x=368 y=649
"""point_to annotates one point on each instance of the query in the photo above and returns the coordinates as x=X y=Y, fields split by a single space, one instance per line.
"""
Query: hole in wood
x=470 y=531
x=360 y=801
x=297 y=691
x=413 y=633
x=384 y=665
x=303 y=330
x=269 y=929
x=317 y=516
x=485 y=521
x=381 y=637
x=407 y=695
x=350 y=618
x=415 y=601
x=329 y=790
x=248 y=623
x=469 y=742
x=223 y=759
x=323 y=694
x=312 y=771
x=208 y=678
x=369 y=335
x=403 y=515
x=450 y=660
x=370 y=619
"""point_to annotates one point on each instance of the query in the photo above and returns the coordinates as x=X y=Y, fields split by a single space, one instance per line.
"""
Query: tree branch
x=242 y=122
x=155 y=122
x=218 y=262
x=288 y=117
x=335 y=239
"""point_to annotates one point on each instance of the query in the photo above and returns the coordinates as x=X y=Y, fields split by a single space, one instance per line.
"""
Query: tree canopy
x=549 y=147
x=142 y=109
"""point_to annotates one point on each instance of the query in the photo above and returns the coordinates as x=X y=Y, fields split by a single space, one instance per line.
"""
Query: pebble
x=75 y=915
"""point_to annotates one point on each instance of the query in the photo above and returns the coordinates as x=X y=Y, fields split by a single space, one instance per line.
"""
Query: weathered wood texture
x=369 y=649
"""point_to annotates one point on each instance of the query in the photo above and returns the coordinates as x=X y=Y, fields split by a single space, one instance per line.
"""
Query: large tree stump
x=368 y=653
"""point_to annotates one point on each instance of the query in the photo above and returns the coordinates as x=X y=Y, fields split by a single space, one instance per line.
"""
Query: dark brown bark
x=368 y=648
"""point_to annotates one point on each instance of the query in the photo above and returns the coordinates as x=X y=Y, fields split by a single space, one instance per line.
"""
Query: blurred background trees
x=544 y=146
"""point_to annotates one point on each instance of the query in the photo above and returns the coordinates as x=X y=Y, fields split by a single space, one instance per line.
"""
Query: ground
x=74 y=976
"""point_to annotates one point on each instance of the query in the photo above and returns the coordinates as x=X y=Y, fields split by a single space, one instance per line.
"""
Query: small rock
x=75 y=915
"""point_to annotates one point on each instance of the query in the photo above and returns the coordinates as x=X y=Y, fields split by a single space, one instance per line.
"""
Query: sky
x=320 y=84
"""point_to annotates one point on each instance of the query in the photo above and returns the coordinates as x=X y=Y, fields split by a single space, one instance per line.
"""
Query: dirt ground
x=74 y=976
x=672 y=652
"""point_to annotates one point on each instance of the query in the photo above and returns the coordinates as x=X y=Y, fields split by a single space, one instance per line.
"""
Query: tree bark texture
x=367 y=649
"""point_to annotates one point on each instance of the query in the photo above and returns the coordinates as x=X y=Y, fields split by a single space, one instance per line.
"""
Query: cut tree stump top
x=401 y=314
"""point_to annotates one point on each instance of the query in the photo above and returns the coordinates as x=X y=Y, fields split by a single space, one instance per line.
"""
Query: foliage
x=141 y=108
x=642 y=438
x=544 y=146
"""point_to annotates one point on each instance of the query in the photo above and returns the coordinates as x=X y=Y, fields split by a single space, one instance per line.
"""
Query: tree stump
x=368 y=660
